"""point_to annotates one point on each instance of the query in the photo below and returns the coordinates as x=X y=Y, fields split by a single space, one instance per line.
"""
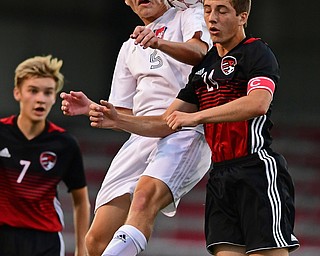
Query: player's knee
x=151 y=194
x=93 y=245
x=88 y=242
x=141 y=201
x=147 y=202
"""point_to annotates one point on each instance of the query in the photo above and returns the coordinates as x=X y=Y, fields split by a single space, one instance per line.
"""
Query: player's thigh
x=272 y=252
x=229 y=250
x=108 y=218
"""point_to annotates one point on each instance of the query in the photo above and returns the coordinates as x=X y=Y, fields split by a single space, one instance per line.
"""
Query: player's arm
x=256 y=103
x=125 y=111
x=190 y=52
x=81 y=218
x=106 y=116
x=75 y=103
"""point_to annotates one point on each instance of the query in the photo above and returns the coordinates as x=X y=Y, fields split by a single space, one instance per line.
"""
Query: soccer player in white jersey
x=148 y=175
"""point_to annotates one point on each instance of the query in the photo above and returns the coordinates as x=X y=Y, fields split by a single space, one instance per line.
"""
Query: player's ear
x=16 y=93
x=243 y=18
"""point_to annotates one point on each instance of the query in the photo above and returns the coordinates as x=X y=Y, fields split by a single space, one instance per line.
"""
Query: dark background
x=87 y=34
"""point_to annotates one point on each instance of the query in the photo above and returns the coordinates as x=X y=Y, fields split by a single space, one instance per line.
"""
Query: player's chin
x=39 y=115
x=215 y=39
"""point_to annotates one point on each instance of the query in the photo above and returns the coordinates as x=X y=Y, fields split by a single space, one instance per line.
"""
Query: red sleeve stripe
x=261 y=82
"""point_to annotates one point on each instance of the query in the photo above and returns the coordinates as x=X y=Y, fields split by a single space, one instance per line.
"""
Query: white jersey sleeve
x=123 y=83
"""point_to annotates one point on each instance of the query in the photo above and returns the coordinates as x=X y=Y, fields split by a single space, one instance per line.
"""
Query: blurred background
x=87 y=35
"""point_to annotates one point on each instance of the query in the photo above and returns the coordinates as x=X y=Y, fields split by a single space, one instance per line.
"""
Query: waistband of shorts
x=7 y=228
x=238 y=161
x=199 y=128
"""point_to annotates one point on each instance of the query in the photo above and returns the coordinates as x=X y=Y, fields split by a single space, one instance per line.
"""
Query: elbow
x=203 y=51
x=199 y=52
x=259 y=102
x=260 y=110
x=198 y=57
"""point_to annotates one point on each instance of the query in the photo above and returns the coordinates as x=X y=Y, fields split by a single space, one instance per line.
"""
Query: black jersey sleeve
x=75 y=175
x=263 y=62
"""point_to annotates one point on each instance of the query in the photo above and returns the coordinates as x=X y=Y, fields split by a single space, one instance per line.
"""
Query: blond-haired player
x=35 y=156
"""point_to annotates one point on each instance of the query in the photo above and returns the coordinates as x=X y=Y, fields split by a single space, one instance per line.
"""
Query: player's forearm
x=81 y=226
x=190 y=53
x=241 y=109
x=149 y=126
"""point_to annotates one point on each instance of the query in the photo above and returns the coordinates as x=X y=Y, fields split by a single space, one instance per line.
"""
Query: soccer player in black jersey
x=35 y=155
x=250 y=193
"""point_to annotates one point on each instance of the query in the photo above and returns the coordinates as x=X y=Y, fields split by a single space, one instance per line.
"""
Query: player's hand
x=75 y=103
x=104 y=115
x=177 y=119
x=145 y=37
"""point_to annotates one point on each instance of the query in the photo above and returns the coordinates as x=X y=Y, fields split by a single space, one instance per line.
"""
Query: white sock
x=127 y=241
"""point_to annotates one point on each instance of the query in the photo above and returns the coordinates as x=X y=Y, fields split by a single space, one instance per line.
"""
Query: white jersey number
x=25 y=165
x=156 y=60
x=209 y=81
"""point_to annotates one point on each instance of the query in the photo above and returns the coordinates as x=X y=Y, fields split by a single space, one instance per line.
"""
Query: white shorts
x=180 y=160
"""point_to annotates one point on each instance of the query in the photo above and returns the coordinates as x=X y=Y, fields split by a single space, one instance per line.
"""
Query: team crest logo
x=228 y=64
x=48 y=160
x=160 y=32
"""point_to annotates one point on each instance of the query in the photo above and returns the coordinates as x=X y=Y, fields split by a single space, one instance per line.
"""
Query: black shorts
x=250 y=203
x=29 y=242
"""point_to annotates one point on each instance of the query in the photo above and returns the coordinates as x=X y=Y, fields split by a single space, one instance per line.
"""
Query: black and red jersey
x=219 y=80
x=30 y=171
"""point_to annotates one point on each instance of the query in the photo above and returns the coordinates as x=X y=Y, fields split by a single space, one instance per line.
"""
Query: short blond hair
x=40 y=66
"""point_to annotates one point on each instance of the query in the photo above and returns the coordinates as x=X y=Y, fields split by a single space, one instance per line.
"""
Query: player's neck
x=225 y=47
x=29 y=128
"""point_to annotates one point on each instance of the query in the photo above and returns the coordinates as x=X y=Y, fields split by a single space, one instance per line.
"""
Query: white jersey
x=148 y=80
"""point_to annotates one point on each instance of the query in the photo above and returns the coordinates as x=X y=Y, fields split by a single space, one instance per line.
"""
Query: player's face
x=223 y=23
x=148 y=10
x=36 y=97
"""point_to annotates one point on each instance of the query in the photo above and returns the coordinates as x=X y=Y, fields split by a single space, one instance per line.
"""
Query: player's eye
x=207 y=9
x=223 y=10
x=48 y=93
